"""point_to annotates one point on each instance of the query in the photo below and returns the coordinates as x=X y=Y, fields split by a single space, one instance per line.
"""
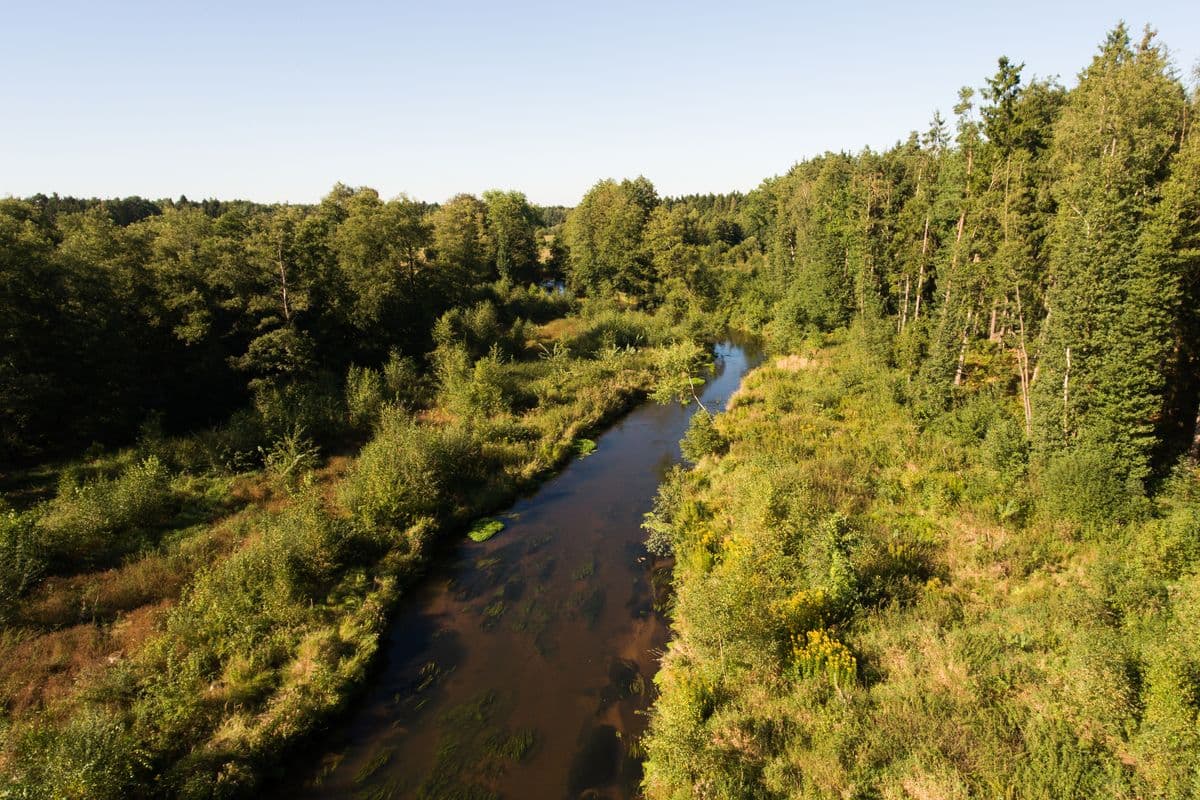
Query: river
x=521 y=667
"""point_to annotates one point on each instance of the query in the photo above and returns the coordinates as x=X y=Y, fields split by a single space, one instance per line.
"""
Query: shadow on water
x=520 y=666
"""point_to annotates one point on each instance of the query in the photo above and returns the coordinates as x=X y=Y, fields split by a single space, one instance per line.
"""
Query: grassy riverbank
x=182 y=622
x=876 y=603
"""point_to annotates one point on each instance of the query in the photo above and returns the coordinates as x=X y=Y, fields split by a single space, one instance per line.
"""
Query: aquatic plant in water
x=485 y=529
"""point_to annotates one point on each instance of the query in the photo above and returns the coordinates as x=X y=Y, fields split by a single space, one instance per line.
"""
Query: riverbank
x=872 y=603
x=273 y=630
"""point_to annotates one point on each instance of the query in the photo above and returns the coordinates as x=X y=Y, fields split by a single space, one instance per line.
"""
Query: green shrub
x=1085 y=485
x=531 y=302
x=479 y=330
x=95 y=522
x=662 y=522
x=290 y=458
x=702 y=438
x=1006 y=449
x=409 y=471
x=474 y=391
x=680 y=369
x=790 y=325
x=309 y=546
x=22 y=558
x=611 y=329
x=316 y=406
x=403 y=384
x=364 y=397
x=490 y=389
x=231 y=448
x=93 y=757
x=249 y=604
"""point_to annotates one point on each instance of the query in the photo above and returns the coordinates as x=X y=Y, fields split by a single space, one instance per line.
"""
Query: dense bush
x=364 y=397
x=533 y=303
x=316 y=406
x=480 y=330
x=290 y=458
x=97 y=521
x=1085 y=485
x=22 y=558
x=702 y=438
x=409 y=471
x=608 y=329
x=403 y=383
x=94 y=757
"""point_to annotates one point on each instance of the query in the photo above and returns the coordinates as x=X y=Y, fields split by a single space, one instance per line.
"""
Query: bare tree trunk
x=921 y=275
x=1023 y=366
x=962 y=349
x=283 y=288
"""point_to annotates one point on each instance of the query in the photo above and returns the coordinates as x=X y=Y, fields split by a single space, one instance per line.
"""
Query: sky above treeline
x=276 y=101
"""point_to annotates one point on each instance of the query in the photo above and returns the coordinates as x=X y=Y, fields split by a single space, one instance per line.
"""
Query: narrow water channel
x=520 y=668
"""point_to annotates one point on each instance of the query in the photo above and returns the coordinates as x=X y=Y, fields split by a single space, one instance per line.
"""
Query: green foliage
x=510 y=225
x=22 y=558
x=1085 y=485
x=93 y=758
x=680 y=367
x=460 y=239
x=314 y=406
x=409 y=471
x=365 y=394
x=702 y=439
x=474 y=391
x=96 y=521
x=857 y=600
x=1103 y=376
x=611 y=330
x=403 y=384
x=880 y=586
x=485 y=529
x=532 y=303
x=604 y=235
x=663 y=523
x=291 y=458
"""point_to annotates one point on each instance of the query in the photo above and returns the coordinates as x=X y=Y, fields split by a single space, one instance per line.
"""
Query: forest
x=944 y=543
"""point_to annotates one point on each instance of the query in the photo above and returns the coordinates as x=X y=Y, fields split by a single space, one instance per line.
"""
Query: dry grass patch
x=794 y=363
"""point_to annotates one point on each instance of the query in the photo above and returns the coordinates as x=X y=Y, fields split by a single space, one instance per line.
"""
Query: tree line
x=1045 y=238
x=1043 y=241
x=114 y=310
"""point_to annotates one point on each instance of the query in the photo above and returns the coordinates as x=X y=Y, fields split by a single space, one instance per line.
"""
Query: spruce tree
x=1102 y=372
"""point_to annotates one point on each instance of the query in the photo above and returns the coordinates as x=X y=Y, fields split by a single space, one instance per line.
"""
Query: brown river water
x=522 y=667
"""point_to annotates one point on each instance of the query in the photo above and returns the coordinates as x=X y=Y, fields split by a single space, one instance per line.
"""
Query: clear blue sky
x=277 y=101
